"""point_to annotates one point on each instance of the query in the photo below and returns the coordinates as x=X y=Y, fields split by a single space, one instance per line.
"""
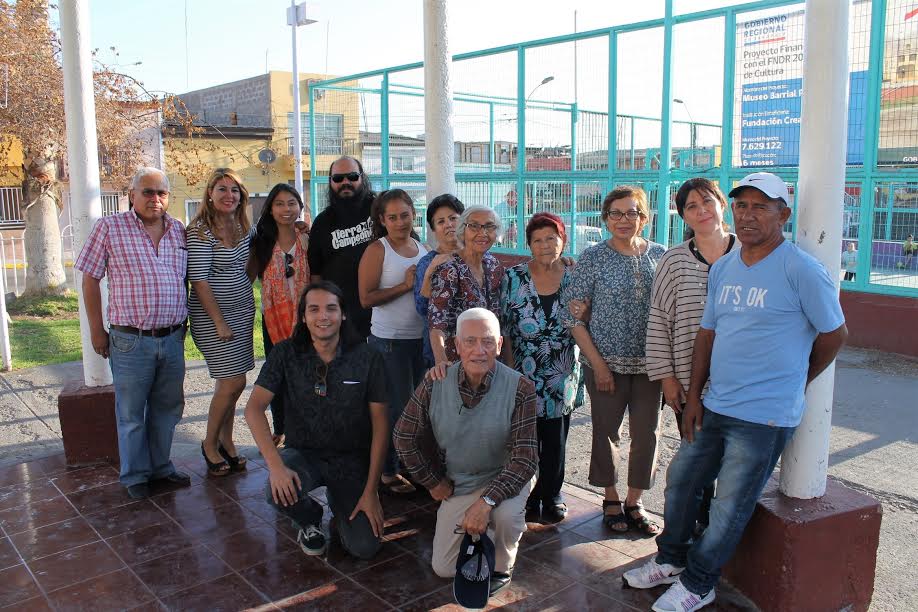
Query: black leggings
x=277 y=403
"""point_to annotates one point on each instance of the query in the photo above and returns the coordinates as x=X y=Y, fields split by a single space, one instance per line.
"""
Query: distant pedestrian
x=849 y=261
x=143 y=253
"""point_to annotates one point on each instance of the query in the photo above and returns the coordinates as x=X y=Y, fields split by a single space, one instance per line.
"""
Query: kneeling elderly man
x=470 y=439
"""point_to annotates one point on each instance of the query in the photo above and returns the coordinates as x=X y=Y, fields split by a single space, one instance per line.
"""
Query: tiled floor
x=73 y=540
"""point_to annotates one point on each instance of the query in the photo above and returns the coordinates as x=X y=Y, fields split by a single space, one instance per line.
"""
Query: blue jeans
x=741 y=456
x=345 y=477
x=148 y=374
x=404 y=364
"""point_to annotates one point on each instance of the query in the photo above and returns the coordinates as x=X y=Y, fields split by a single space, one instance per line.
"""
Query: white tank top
x=398 y=319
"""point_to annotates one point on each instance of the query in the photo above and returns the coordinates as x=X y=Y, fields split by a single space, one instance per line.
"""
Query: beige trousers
x=508 y=522
x=641 y=398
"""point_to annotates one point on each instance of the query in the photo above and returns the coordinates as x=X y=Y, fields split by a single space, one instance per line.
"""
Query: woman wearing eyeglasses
x=385 y=280
x=221 y=307
x=544 y=351
x=615 y=277
x=278 y=259
x=470 y=278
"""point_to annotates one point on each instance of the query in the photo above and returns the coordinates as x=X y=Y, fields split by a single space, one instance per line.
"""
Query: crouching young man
x=336 y=425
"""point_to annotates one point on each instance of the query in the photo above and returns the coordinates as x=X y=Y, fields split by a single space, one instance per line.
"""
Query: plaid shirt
x=146 y=288
x=418 y=450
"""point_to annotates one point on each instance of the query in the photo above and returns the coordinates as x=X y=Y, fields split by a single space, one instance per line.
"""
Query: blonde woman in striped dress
x=221 y=307
x=679 y=290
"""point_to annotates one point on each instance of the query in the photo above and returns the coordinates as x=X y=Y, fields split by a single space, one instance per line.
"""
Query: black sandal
x=615 y=522
x=641 y=522
x=220 y=468
x=237 y=463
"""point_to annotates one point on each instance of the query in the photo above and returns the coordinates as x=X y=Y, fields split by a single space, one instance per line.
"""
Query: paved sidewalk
x=874 y=446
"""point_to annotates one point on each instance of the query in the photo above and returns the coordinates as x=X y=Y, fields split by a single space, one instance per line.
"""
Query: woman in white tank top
x=385 y=280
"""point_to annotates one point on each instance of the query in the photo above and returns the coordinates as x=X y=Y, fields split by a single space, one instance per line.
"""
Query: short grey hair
x=145 y=171
x=464 y=220
x=479 y=314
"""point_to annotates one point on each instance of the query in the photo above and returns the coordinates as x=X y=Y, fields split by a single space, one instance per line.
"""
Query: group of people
x=392 y=365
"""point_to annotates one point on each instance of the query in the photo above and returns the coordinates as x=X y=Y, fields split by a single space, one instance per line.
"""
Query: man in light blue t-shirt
x=772 y=323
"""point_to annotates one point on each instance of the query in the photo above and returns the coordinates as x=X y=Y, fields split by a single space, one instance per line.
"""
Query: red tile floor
x=71 y=539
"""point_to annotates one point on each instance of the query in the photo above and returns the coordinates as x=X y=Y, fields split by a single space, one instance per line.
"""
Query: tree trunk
x=42 y=204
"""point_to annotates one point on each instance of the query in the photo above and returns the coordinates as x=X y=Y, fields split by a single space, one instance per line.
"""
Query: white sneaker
x=652 y=574
x=677 y=598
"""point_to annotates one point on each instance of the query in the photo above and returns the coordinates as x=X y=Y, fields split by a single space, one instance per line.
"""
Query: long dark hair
x=266 y=228
x=378 y=209
x=301 y=337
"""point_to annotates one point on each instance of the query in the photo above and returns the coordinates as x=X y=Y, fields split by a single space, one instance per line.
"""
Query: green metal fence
x=554 y=124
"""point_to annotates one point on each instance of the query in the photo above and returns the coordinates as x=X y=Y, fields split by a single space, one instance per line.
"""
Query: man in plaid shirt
x=143 y=253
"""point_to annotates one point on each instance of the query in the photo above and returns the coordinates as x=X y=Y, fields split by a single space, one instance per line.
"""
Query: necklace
x=640 y=286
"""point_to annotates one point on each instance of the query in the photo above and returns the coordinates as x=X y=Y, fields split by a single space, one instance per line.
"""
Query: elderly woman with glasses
x=542 y=349
x=278 y=258
x=470 y=278
x=616 y=277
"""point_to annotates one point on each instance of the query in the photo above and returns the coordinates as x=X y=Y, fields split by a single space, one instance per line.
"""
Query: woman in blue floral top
x=615 y=277
x=537 y=345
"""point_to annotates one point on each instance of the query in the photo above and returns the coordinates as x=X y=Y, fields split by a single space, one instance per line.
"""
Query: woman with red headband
x=543 y=350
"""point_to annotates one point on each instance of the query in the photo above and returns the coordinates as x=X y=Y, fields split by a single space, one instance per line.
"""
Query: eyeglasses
x=470 y=342
x=488 y=228
x=351 y=176
x=616 y=215
x=149 y=193
x=321 y=388
x=288 y=268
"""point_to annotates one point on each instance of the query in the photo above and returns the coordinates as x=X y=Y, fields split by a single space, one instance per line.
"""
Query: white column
x=83 y=157
x=297 y=119
x=438 y=101
x=820 y=201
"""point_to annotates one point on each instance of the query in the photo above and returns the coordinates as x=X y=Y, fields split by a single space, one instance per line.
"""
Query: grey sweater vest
x=476 y=440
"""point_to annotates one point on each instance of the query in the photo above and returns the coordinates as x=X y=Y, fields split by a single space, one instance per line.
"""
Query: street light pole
x=296 y=16
x=547 y=79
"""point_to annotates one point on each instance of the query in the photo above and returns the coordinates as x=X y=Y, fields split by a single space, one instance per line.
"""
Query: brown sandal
x=615 y=521
x=641 y=522
x=399 y=485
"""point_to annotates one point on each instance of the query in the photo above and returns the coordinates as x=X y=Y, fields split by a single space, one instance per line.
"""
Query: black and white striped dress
x=224 y=270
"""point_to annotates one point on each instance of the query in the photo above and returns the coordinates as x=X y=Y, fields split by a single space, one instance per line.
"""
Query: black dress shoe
x=499 y=581
x=177 y=478
x=554 y=513
x=533 y=513
x=139 y=491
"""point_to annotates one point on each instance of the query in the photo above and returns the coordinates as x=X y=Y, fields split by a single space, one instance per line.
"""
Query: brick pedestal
x=817 y=554
x=88 y=423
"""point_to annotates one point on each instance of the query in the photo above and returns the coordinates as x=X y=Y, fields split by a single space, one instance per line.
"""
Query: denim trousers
x=741 y=456
x=403 y=361
x=344 y=487
x=148 y=375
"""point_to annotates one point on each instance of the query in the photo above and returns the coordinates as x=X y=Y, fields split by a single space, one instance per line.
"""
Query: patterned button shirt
x=146 y=285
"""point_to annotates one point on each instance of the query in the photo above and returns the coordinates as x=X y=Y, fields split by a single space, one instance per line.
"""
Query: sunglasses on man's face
x=351 y=176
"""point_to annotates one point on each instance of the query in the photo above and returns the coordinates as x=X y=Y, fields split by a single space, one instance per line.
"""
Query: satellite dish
x=267 y=156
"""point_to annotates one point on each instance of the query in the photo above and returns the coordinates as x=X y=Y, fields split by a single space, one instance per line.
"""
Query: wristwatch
x=489 y=501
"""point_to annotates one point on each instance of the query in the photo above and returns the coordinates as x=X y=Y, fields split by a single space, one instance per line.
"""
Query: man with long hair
x=341 y=234
x=336 y=425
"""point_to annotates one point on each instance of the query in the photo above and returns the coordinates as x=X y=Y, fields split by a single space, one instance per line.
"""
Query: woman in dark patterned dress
x=470 y=278
x=539 y=346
